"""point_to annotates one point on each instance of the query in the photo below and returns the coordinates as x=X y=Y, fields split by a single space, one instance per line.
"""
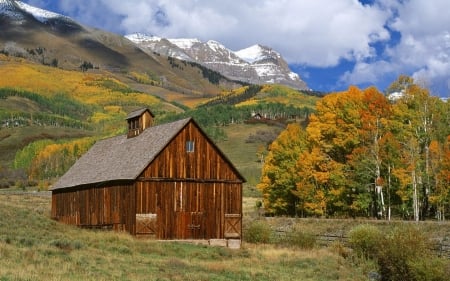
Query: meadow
x=34 y=247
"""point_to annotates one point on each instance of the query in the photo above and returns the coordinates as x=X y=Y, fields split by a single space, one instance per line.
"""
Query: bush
x=433 y=269
x=4 y=184
x=402 y=255
x=299 y=238
x=258 y=231
x=365 y=240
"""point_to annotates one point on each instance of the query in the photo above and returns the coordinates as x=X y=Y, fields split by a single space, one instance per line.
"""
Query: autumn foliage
x=364 y=155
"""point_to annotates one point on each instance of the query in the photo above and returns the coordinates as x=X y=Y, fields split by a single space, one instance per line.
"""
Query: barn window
x=190 y=146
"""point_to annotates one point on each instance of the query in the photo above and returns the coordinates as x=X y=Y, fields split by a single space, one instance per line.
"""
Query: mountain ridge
x=256 y=64
x=52 y=39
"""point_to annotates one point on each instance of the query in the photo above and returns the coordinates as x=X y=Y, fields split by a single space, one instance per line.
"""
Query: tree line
x=364 y=155
x=213 y=118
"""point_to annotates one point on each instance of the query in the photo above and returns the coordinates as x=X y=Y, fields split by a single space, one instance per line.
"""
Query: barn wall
x=189 y=210
x=107 y=206
x=180 y=195
x=206 y=162
x=190 y=195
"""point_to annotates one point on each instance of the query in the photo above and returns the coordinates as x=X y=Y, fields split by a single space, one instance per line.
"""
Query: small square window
x=190 y=146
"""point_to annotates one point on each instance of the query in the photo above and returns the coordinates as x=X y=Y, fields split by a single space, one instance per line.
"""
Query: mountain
x=256 y=64
x=57 y=40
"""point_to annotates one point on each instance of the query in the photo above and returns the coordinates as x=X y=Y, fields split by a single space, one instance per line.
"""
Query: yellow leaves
x=279 y=174
x=99 y=117
x=280 y=94
x=55 y=158
x=113 y=109
x=318 y=205
x=143 y=78
x=91 y=88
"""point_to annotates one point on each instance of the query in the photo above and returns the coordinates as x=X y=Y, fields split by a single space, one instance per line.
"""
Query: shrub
x=258 y=231
x=365 y=240
x=401 y=253
x=432 y=268
x=4 y=184
x=299 y=238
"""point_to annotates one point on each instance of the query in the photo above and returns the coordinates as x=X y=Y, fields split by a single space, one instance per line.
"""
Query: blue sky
x=331 y=43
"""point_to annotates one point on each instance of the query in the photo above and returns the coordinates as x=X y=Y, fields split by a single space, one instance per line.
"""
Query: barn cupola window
x=138 y=121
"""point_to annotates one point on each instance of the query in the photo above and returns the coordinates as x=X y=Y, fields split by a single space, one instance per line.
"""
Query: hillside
x=48 y=112
x=55 y=40
x=255 y=65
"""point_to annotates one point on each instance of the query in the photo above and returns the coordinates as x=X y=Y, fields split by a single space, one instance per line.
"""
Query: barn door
x=196 y=227
x=233 y=226
x=146 y=224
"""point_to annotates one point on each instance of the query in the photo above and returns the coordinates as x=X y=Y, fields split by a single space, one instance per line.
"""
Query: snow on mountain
x=17 y=10
x=256 y=64
x=8 y=8
x=215 y=46
x=161 y=45
x=251 y=54
x=39 y=14
x=141 y=37
x=184 y=43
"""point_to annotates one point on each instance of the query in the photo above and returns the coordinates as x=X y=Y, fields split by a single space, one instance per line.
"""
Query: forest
x=363 y=155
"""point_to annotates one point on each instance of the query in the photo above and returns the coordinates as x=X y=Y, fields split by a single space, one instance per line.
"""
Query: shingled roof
x=117 y=158
x=138 y=112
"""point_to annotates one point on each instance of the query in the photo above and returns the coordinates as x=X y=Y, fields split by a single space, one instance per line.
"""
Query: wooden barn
x=166 y=182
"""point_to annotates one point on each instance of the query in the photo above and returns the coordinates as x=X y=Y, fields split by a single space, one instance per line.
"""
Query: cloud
x=423 y=51
x=316 y=33
x=382 y=39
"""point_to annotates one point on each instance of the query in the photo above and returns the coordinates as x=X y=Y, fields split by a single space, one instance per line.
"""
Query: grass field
x=33 y=247
x=243 y=154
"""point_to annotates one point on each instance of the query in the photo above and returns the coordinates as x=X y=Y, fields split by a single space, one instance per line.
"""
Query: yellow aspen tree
x=279 y=176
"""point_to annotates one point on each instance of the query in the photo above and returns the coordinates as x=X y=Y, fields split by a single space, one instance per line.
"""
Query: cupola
x=138 y=121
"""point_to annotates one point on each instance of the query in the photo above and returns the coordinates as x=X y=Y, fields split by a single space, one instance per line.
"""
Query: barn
x=165 y=182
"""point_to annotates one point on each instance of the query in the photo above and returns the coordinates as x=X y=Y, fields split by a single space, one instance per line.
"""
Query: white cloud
x=315 y=33
x=319 y=33
x=423 y=50
x=367 y=72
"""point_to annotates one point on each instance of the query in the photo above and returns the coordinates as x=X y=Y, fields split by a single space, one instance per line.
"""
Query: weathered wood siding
x=204 y=163
x=190 y=210
x=107 y=206
x=192 y=194
x=180 y=195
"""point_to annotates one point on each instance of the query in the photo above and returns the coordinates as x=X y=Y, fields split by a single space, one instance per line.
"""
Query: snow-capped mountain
x=19 y=11
x=52 y=39
x=256 y=64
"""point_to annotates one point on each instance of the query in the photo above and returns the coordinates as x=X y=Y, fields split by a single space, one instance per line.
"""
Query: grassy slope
x=33 y=247
x=243 y=154
x=109 y=99
x=106 y=98
x=282 y=94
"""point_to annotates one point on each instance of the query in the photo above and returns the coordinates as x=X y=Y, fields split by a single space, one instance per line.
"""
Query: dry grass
x=33 y=247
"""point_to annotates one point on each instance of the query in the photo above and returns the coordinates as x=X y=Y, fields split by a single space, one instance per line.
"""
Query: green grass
x=33 y=247
x=13 y=139
x=243 y=154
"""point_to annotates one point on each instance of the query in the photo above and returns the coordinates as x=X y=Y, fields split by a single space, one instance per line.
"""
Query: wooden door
x=196 y=225
x=233 y=226
x=146 y=224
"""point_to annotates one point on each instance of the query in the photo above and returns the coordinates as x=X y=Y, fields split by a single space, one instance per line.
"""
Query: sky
x=331 y=44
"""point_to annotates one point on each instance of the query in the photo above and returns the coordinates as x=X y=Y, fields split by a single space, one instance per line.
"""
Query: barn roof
x=121 y=158
x=138 y=112
x=117 y=158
